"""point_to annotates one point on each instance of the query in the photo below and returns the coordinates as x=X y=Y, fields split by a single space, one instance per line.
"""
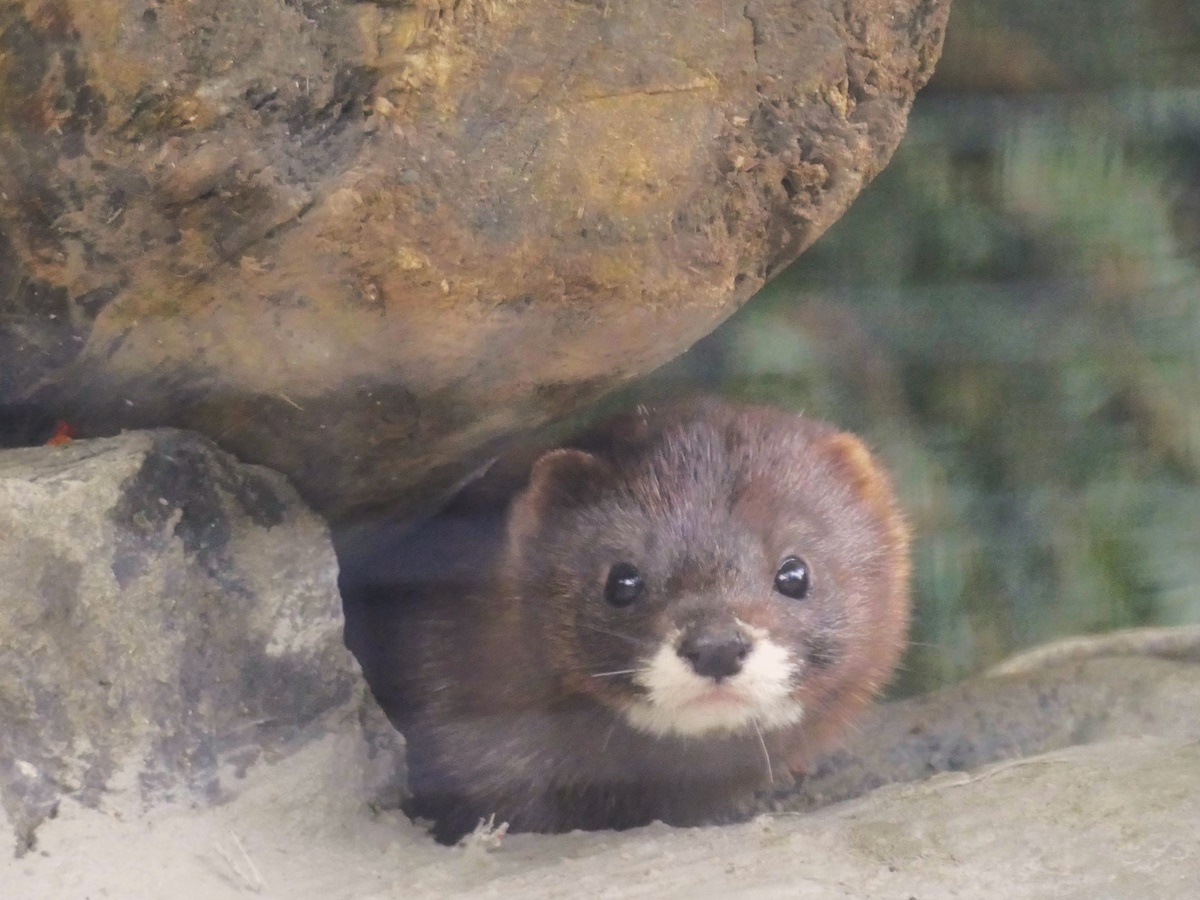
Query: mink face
x=735 y=572
x=685 y=601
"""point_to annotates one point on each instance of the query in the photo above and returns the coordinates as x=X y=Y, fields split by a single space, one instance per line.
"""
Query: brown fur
x=491 y=674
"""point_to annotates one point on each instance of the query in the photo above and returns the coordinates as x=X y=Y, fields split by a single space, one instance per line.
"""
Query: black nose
x=715 y=653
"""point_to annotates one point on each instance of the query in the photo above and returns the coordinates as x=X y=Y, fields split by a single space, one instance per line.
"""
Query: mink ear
x=854 y=463
x=560 y=479
x=869 y=482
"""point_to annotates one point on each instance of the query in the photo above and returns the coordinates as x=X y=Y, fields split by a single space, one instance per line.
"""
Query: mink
x=666 y=615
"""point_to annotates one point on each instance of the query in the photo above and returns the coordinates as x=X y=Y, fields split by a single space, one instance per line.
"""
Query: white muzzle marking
x=680 y=702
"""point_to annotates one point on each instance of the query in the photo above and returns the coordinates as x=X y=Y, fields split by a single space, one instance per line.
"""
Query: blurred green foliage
x=1011 y=315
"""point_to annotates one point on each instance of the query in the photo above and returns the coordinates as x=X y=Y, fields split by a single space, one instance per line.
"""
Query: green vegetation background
x=1011 y=315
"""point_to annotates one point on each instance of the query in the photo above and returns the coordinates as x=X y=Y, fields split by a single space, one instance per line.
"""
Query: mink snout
x=715 y=650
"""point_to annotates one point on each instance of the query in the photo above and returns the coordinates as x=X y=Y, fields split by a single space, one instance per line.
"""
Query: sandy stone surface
x=1114 y=820
x=1115 y=817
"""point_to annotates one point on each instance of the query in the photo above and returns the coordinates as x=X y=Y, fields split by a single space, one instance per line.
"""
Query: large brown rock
x=360 y=242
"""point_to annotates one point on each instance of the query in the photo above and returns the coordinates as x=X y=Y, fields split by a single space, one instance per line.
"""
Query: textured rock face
x=167 y=617
x=1116 y=819
x=1120 y=686
x=360 y=242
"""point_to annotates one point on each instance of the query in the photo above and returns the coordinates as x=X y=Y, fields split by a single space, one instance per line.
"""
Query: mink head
x=709 y=570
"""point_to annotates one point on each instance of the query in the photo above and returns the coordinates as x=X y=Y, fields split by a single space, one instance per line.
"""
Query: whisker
x=624 y=637
x=766 y=756
x=616 y=672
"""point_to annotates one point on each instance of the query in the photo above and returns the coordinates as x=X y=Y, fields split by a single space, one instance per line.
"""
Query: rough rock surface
x=1117 y=819
x=168 y=617
x=361 y=242
x=1004 y=718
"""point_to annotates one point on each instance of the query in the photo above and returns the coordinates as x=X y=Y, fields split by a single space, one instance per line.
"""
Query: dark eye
x=793 y=578
x=624 y=584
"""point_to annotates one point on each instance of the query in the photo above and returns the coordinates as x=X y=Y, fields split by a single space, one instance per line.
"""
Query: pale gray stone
x=168 y=617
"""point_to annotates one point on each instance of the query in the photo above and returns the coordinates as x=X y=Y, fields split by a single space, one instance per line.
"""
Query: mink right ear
x=560 y=479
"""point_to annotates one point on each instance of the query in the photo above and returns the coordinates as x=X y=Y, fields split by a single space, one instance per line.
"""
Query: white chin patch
x=680 y=702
